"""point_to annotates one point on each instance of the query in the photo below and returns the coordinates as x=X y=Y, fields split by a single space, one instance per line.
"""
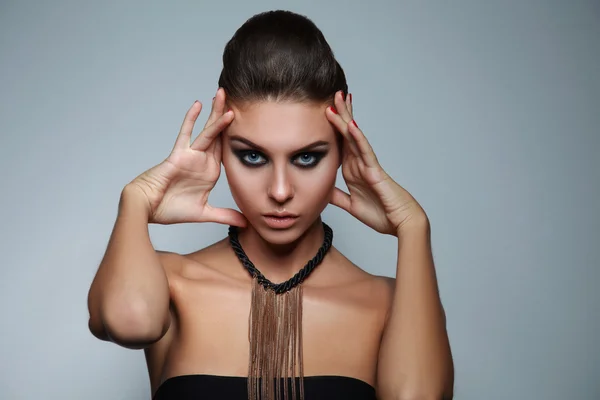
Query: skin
x=281 y=178
x=341 y=300
x=190 y=312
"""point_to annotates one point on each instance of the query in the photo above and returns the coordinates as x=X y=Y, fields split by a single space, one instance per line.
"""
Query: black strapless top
x=208 y=387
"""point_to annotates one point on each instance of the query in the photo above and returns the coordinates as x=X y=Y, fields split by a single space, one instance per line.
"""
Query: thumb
x=226 y=216
x=340 y=199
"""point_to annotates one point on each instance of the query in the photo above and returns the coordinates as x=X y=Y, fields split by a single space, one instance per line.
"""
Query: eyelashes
x=253 y=158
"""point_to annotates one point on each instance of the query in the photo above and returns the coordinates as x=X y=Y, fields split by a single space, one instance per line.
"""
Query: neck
x=279 y=262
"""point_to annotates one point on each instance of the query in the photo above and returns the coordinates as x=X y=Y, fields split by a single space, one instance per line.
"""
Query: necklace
x=275 y=326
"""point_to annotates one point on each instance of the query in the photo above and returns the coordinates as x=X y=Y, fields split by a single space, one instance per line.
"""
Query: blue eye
x=252 y=158
x=307 y=160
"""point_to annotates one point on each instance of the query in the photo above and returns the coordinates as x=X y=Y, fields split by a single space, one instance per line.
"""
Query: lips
x=280 y=220
x=281 y=215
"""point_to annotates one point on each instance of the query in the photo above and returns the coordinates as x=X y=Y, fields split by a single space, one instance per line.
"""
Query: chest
x=341 y=329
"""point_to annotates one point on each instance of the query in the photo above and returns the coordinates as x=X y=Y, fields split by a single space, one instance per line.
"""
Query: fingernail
x=214 y=98
x=354 y=122
x=350 y=95
x=333 y=110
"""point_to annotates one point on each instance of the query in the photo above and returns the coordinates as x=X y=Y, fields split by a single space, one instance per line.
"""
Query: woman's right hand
x=177 y=189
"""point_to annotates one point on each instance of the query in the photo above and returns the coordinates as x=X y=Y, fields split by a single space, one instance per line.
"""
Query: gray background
x=487 y=112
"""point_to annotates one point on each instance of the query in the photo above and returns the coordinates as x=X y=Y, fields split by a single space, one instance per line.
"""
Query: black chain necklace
x=294 y=281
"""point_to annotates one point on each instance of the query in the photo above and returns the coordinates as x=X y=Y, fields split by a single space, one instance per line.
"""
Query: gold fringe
x=275 y=336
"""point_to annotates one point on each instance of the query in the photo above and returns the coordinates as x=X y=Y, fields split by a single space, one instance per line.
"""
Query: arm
x=128 y=300
x=415 y=360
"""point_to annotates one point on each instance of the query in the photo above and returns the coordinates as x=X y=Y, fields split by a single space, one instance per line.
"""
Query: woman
x=274 y=310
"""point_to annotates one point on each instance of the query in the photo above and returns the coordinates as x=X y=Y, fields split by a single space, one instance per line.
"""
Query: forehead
x=281 y=124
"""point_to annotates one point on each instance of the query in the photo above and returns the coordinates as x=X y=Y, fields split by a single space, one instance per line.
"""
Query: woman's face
x=281 y=158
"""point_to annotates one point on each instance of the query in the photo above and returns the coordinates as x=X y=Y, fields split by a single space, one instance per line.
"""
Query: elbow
x=424 y=392
x=416 y=396
x=426 y=397
x=433 y=392
x=132 y=324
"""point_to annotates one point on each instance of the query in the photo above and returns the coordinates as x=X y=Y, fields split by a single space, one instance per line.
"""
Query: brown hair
x=280 y=56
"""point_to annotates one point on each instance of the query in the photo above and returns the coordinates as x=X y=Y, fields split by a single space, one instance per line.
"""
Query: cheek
x=235 y=180
x=319 y=184
x=245 y=185
x=312 y=188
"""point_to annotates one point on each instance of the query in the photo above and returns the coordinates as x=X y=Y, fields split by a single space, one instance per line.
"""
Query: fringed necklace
x=275 y=326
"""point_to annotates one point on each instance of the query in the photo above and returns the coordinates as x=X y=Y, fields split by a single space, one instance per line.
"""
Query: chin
x=280 y=236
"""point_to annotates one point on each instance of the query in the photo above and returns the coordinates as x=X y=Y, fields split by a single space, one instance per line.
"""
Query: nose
x=281 y=188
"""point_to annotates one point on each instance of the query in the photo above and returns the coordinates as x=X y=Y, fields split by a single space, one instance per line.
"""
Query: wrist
x=133 y=198
x=416 y=225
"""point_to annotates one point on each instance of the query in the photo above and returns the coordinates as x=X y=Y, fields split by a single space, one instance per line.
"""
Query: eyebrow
x=235 y=138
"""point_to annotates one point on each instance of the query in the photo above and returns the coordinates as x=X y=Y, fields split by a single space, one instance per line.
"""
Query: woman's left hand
x=375 y=198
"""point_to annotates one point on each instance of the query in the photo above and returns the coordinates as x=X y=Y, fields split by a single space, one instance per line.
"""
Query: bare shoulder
x=184 y=272
x=374 y=290
x=204 y=262
x=387 y=287
x=171 y=262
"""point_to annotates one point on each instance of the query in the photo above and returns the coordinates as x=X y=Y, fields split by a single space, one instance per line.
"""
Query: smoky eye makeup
x=249 y=157
x=254 y=158
x=309 y=159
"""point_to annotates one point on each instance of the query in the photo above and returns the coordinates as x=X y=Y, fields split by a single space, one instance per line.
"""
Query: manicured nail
x=354 y=122
x=333 y=110
x=350 y=95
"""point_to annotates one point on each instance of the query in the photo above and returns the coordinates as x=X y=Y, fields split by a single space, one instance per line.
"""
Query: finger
x=340 y=105
x=366 y=151
x=185 y=132
x=226 y=216
x=215 y=149
x=208 y=135
x=342 y=127
x=349 y=104
x=218 y=106
x=340 y=199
